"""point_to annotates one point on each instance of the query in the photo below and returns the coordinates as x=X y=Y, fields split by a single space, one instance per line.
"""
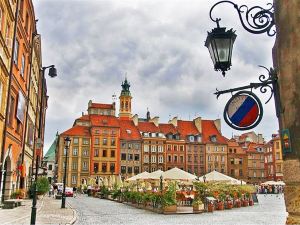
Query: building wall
x=216 y=158
x=237 y=162
x=130 y=157
x=175 y=154
x=256 y=167
x=195 y=158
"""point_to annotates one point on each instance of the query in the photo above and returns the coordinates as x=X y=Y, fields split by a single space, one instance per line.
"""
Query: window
x=74 y=165
x=112 y=167
x=160 y=148
x=96 y=141
x=96 y=153
x=75 y=141
x=104 y=153
x=7 y=36
x=123 y=156
x=112 y=153
x=195 y=159
x=216 y=158
x=146 y=159
x=85 y=165
x=231 y=161
x=208 y=148
x=11 y=110
x=191 y=138
x=199 y=139
x=129 y=169
x=175 y=147
x=232 y=172
x=26 y=23
x=129 y=146
x=113 y=132
x=254 y=164
x=73 y=179
x=181 y=159
x=240 y=172
x=113 y=142
x=240 y=161
x=22 y=65
x=136 y=169
x=104 y=141
x=136 y=157
x=181 y=148
x=209 y=158
x=153 y=148
x=137 y=146
x=123 y=145
x=1 y=18
x=86 y=141
x=130 y=157
x=96 y=167
x=169 y=158
x=223 y=158
x=254 y=174
x=169 y=147
x=104 y=167
x=16 y=52
x=75 y=151
x=50 y=167
x=97 y=132
x=85 y=152
x=216 y=148
x=123 y=169
x=160 y=159
x=153 y=159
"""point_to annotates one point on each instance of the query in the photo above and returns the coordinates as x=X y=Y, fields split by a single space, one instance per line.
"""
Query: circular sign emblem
x=243 y=111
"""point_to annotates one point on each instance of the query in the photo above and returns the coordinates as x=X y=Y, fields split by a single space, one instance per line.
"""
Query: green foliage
x=42 y=185
x=169 y=197
x=16 y=194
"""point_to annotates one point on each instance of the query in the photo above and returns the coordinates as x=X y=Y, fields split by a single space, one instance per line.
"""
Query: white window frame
x=153 y=148
x=146 y=159
x=153 y=158
x=75 y=151
x=146 y=148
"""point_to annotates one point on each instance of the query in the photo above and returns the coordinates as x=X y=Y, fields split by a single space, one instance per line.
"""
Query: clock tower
x=125 y=101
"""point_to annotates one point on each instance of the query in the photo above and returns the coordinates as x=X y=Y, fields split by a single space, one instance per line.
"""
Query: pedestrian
x=55 y=190
x=50 y=190
x=74 y=191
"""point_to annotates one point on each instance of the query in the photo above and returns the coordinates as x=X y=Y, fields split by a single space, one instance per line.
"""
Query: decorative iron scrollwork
x=256 y=20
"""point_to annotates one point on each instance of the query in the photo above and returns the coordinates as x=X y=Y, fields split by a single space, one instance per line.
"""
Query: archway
x=7 y=179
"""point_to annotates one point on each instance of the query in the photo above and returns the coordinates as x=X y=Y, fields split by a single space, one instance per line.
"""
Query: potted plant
x=169 y=199
x=210 y=207
x=220 y=203
x=198 y=205
x=237 y=201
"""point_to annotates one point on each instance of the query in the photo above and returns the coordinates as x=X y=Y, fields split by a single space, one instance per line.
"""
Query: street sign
x=243 y=111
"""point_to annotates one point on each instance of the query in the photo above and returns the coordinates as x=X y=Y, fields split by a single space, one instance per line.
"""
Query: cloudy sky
x=159 y=44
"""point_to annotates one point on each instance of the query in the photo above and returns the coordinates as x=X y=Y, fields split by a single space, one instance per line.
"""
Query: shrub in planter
x=169 y=198
x=251 y=202
x=237 y=203
x=210 y=207
x=245 y=202
x=228 y=204
x=197 y=205
x=16 y=194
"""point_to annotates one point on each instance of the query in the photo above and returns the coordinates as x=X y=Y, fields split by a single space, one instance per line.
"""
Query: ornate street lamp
x=161 y=183
x=220 y=43
x=204 y=178
x=67 y=146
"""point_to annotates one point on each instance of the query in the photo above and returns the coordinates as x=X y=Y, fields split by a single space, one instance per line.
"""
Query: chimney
x=198 y=124
x=260 y=139
x=173 y=121
x=82 y=113
x=135 y=119
x=90 y=103
x=217 y=123
x=155 y=120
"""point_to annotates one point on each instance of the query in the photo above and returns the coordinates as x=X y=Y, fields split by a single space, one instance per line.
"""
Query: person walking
x=55 y=190
x=74 y=191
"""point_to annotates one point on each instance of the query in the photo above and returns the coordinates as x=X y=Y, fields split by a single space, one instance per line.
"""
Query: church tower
x=125 y=101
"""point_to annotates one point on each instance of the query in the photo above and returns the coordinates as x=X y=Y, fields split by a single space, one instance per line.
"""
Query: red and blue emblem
x=243 y=111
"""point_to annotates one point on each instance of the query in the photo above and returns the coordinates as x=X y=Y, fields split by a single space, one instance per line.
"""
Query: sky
x=159 y=46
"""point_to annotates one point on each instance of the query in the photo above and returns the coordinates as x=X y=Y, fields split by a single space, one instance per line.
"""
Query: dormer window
x=170 y=136
x=177 y=136
x=191 y=138
x=199 y=138
x=213 y=138
x=128 y=131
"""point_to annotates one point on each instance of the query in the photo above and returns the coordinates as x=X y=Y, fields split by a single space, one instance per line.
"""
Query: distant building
x=256 y=163
x=49 y=161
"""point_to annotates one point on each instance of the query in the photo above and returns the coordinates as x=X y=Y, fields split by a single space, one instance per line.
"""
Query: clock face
x=243 y=111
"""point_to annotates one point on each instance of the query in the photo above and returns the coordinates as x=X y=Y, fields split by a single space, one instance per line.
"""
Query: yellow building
x=278 y=157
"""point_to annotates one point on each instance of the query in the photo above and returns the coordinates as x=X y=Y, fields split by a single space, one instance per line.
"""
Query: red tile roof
x=77 y=131
x=209 y=129
x=252 y=148
x=233 y=144
x=148 y=127
x=102 y=106
x=128 y=130
x=104 y=121
x=187 y=128
x=167 y=128
x=84 y=117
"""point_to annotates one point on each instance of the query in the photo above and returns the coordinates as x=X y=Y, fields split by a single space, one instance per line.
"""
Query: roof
x=50 y=155
x=187 y=128
x=128 y=130
x=252 y=148
x=84 y=117
x=104 y=121
x=209 y=129
x=77 y=131
x=232 y=143
x=102 y=106
x=148 y=127
x=167 y=128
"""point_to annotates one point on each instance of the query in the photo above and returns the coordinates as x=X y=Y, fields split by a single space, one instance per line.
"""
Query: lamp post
x=161 y=183
x=204 y=178
x=39 y=141
x=67 y=146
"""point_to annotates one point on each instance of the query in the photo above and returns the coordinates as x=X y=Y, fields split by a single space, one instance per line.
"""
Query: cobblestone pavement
x=270 y=210
x=48 y=212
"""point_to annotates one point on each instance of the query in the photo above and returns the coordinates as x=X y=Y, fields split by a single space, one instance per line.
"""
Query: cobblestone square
x=270 y=210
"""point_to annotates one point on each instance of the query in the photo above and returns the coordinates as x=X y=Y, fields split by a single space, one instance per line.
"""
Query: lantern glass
x=220 y=43
x=67 y=142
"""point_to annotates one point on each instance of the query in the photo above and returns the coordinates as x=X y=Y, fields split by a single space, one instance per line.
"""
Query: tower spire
x=125 y=100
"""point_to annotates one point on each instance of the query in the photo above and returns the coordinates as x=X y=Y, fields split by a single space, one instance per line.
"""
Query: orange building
x=237 y=161
x=256 y=163
x=13 y=154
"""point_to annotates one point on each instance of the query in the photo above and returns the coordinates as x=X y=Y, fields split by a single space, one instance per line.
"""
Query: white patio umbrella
x=153 y=176
x=178 y=174
x=138 y=176
x=220 y=177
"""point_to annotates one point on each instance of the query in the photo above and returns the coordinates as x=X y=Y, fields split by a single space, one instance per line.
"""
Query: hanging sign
x=243 y=111
x=286 y=143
